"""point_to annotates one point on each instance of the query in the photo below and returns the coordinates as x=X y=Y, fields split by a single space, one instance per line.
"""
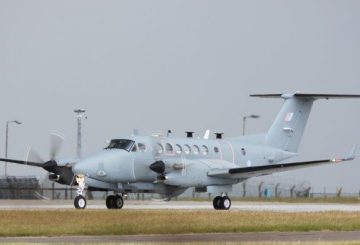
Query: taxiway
x=190 y=205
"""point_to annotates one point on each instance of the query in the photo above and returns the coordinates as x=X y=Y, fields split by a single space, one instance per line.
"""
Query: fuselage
x=126 y=162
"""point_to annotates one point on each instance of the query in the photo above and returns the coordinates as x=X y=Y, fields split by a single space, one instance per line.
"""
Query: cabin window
x=142 y=147
x=159 y=148
x=169 y=148
x=196 y=149
x=205 y=150
x=178 y=149
x=216 y=149
x=187 y=149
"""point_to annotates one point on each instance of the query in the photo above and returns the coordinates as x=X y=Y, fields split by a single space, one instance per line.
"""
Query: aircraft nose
x=80 y=167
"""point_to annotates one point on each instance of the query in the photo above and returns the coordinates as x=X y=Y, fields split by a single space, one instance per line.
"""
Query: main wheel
x=119 y=202
x=225 y=203
x=110 y=202
x=217 y=202
x=80 y=202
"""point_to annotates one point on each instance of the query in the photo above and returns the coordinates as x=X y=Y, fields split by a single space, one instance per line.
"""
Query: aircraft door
x=226 y=151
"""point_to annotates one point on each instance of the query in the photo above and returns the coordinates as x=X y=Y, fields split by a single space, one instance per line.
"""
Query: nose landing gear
x=80 y=200
x=222 y=203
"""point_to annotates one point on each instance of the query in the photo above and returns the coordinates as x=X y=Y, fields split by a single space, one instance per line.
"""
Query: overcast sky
x=180 y=65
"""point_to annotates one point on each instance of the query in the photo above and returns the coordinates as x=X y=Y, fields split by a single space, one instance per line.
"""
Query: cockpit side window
x=135 y=148
x=123 y=144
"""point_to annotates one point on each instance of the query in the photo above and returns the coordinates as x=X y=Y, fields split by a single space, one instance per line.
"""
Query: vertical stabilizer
x=288 y=128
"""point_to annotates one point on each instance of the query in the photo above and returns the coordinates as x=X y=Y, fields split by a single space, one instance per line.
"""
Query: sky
x=180 y=65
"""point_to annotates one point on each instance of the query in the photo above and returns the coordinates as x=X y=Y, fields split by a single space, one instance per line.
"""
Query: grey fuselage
x=187 y=162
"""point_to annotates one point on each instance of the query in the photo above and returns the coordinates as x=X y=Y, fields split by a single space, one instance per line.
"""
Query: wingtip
x=352 y=155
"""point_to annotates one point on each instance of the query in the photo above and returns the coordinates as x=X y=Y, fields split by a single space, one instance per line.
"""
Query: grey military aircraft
x=169 y=165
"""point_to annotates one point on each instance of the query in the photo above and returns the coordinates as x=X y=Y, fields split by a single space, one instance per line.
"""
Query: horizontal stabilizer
x=308 y=96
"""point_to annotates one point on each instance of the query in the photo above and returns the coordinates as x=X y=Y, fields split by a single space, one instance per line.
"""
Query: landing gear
x=80 y=202
x=114 y=202
x=222 y=203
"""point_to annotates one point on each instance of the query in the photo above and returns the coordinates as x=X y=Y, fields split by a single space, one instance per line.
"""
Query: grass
x=121 y=222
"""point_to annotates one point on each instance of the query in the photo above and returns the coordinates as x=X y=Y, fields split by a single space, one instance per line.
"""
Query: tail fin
x=288 y=128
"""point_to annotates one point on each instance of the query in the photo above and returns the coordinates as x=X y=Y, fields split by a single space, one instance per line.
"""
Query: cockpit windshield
x=121 y=144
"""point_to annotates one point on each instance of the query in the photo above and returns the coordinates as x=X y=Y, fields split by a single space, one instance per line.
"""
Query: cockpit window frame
x=121 y=144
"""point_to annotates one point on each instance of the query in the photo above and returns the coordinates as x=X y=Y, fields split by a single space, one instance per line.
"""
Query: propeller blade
x=33 y=156
x=56 y=141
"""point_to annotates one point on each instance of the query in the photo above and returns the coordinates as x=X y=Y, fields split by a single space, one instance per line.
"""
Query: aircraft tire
x=110 y=202
x=80 y=202
x=225 y=203
x=217 y=202
x=118 y=202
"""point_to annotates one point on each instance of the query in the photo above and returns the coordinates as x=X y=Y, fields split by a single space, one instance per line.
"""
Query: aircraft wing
x=247 y=172
x=36 y=164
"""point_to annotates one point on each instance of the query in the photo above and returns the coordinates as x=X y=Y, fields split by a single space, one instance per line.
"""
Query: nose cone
x=88 y=166
x=101 y=164
x=82 y=167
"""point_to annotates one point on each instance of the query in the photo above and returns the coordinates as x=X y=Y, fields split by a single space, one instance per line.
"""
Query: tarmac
x=190 y=205
x=209 y=237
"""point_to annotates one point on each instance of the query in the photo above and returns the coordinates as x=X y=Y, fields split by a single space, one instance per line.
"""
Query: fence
x=30 y=188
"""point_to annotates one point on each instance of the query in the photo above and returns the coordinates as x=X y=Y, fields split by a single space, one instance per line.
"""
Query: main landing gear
x=114 y=202
x=222 y=203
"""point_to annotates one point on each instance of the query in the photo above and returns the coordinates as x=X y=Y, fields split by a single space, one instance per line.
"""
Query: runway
x=184 y=205
x=181 y=238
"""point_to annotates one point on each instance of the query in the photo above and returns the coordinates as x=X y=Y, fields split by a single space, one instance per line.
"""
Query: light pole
x=246 y=117
x=80 y=113
x=7 y=140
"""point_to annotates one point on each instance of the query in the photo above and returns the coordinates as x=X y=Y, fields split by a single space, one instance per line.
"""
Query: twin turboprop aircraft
x=169 y=165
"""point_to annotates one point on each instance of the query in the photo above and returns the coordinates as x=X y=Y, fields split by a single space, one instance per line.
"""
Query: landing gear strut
x=80 y=200
x=114 y=202
x=222 y=203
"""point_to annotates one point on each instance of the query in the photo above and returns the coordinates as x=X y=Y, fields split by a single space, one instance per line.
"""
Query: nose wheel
x=222 y=203
x=114 y=202
x=80 y=202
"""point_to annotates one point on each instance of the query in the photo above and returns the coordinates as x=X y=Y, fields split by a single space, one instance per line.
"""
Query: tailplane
x=288 y=128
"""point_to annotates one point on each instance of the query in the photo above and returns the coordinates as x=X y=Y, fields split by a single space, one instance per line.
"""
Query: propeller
x=34 y=158
x=56 y=141
x=62 y=174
